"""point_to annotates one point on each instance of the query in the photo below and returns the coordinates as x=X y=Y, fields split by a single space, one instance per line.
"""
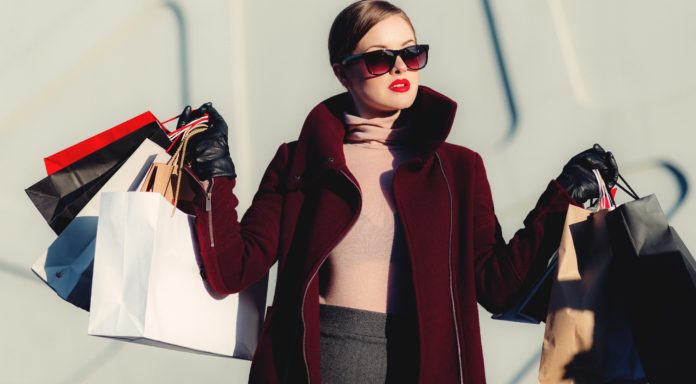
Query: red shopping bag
x=88 y=146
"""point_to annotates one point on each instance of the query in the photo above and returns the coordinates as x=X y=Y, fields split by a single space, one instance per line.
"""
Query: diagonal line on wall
x=48 y=93
x=81 y=374
x=528 y=366
x=502 y=68
x=84 y=370
x=38 y=35
x=16 y=270
x=568 y=51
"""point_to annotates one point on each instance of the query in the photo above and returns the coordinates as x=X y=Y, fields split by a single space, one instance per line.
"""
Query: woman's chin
x=387 y=103
x=401 y=102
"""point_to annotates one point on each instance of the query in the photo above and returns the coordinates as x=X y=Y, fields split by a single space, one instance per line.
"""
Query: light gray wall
x=579 y=71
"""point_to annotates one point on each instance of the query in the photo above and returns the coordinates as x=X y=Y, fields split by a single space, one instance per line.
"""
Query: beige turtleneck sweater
x=369 y=268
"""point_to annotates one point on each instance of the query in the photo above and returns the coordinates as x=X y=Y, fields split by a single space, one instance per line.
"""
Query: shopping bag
x=587 y=337
x=570 y=321
x=66 y=266
x=69 y=155
x=659 y=287
x=533 y=305
x=61 y=195
x=147 y=287
x=166 y=178
x=533 y=302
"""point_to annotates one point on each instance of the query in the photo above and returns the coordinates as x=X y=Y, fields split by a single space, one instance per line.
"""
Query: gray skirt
x=359 y=346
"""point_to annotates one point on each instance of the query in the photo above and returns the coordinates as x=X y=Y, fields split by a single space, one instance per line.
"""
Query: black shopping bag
x=659 y=285
x=61 y=195
x=532 y=306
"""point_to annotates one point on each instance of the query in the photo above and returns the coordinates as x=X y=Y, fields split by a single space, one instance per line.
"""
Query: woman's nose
x=399 y=66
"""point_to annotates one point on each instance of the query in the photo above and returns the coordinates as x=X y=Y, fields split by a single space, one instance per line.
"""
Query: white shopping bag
x=147 y=286
x=66 y=265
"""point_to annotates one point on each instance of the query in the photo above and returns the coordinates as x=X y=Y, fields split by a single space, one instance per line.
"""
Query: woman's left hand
x=579 y=180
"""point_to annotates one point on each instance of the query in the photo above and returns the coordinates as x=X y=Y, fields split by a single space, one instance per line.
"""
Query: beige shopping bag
x=569 y=353
x=587 y=339
x=168 y=178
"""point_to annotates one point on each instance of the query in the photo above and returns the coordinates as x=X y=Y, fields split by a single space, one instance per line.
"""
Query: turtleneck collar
x=387 y=131
x=323 y=132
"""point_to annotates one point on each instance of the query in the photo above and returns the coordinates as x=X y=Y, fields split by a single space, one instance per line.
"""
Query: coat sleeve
x=502 y=269
x=236 y=254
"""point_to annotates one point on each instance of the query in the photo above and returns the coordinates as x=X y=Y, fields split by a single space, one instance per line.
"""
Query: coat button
x=298 y=177
x=330 y=159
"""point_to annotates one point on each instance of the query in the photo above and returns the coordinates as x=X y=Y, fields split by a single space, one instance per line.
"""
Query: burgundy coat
x=308 y=200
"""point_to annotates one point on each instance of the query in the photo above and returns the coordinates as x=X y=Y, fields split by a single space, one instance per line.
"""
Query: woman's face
x=384 y=94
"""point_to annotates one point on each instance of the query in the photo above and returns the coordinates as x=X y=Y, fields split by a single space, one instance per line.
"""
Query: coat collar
x=323 y=130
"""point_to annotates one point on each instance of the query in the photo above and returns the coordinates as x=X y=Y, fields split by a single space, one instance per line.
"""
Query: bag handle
x=178 y=159
x=605 y=199
x=191 y=123
x=630 y=190
x=176 y=134
x=201 y=120
x=170 y=119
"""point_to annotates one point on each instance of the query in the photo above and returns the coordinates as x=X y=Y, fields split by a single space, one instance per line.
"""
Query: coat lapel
x=421 y=193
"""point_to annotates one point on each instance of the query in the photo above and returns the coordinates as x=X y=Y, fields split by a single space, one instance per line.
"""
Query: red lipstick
x=400 y=85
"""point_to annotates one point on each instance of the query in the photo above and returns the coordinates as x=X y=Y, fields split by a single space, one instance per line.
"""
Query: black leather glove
x=578 y=179
x=208 y=150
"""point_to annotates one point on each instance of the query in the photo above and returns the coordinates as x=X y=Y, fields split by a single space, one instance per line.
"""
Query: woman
x=384 y=234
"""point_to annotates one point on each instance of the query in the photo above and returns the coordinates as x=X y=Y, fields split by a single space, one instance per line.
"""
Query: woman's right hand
x=208 y=150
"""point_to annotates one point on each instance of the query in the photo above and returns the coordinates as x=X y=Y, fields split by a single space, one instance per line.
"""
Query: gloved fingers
x=613 y=170
x=199 y=112
x=184 y=117
x=211 y=149
x=208 y=151
x=204 y=107
x=605 y=163
x=582 y=156
x=594 y=160
x=584 y=175
x=189 y=114
x=585 y=186
x=215 y=120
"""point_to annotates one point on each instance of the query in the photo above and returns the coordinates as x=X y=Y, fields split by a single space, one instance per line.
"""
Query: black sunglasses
x=380 y=62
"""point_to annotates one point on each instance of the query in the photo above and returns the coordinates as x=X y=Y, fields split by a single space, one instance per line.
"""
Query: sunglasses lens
x=415 y=57
x=381 y=62
x=378 y=63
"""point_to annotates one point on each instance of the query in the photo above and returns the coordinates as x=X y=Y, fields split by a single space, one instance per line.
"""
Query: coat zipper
x=449 y=265
x=314 y=274
x=208 y=207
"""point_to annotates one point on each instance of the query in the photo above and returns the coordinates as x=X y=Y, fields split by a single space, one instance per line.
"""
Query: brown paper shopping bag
x=568 y=355
x=166 y=178
x=587 y=337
